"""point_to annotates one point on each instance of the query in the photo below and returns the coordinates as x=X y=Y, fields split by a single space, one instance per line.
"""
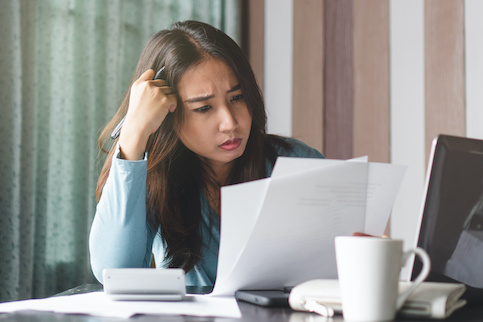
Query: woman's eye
x=237 y=98
x=203 y=109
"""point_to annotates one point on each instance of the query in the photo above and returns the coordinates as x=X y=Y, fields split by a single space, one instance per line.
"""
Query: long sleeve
x=120 y=236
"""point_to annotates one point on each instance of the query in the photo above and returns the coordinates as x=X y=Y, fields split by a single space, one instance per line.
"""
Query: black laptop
x=451 y=228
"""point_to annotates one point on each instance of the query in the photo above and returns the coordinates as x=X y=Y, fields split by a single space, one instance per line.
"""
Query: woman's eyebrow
x=234 y=88
x=199 y=99
x=207 y=97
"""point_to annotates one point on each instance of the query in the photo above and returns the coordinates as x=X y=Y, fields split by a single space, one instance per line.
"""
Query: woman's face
x=216 y=121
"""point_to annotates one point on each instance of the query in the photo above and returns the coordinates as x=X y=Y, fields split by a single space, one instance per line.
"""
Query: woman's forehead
x=209 y=75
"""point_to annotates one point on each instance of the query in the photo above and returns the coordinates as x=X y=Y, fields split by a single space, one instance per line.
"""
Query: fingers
x=172 y=101
x=167 y=90
x=172 y=108
x=146 y=81
x=147 y=75
x=152 y=98
x=359 y=234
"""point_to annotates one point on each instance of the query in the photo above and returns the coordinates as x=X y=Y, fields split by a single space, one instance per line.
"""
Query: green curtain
x=64 y=67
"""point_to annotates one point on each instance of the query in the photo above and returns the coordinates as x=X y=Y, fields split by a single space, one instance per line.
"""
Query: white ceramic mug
x=368 y=270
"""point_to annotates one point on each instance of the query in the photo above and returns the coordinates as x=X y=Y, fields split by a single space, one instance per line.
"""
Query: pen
x=117 y=130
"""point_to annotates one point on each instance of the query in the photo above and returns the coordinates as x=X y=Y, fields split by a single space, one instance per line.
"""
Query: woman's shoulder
x=290 y=147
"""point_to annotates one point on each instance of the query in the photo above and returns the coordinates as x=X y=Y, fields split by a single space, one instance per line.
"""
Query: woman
x=183 y=138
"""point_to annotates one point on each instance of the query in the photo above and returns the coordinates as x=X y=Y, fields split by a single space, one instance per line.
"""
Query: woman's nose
x=228 y=120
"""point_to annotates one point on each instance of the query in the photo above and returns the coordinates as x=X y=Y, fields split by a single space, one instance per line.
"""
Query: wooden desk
x=250 y=313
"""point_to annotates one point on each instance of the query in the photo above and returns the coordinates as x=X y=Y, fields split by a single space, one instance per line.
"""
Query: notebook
x=451 y=229
x=429 y=300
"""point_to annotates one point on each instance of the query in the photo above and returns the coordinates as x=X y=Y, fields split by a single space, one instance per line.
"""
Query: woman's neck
x=220 y=176
x=220 y=172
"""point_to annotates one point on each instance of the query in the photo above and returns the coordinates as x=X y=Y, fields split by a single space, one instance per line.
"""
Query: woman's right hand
x=149 y=103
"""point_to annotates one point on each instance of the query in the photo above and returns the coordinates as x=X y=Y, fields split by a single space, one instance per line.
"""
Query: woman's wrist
x=132 y=147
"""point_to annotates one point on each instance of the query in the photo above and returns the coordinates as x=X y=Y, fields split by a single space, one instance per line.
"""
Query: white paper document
x=97 y=304
x=280 y=231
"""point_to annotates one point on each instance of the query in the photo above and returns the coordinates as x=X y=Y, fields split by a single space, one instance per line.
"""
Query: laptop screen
x=452 y=223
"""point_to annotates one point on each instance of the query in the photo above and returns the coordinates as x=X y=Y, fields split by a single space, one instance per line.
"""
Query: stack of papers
x=97 y=304
x=280 y=231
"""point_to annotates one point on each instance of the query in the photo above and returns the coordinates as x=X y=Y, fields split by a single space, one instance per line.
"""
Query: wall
x=278 y=83
x=378 y=78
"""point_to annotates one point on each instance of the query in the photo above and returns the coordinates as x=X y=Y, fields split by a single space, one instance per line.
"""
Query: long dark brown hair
x=176 y=176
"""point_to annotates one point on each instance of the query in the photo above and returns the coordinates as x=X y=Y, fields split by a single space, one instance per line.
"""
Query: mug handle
x=421 y=277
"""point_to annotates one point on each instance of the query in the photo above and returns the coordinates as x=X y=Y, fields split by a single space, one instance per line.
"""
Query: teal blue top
x=121 y=237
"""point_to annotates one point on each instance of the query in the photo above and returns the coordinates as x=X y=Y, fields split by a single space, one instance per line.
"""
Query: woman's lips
x=231 y=145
